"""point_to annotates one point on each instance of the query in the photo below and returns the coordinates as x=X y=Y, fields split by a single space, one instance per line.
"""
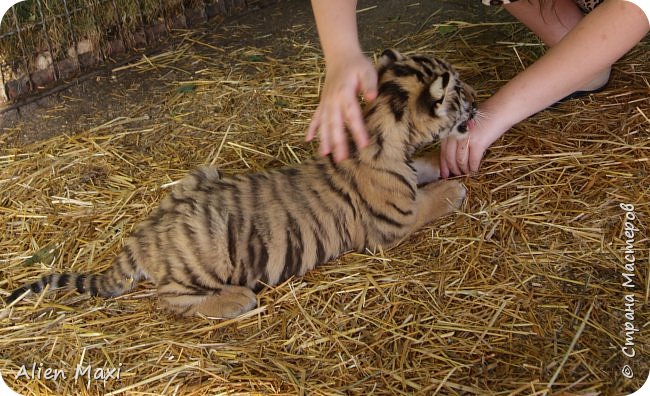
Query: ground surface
x=279 y=30
x=520 y=291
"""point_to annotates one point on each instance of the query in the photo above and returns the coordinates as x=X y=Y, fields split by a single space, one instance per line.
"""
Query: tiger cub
x=215 y=241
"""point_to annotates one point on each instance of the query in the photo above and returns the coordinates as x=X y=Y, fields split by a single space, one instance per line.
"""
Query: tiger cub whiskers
x=215 y=241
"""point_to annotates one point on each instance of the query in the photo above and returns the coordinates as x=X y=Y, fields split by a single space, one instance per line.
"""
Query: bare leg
x=551 y=23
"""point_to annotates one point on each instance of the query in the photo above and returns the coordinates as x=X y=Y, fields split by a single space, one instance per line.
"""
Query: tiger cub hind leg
x=227 y=301
x=438 y=199
x=232 y=301
x=435 y=198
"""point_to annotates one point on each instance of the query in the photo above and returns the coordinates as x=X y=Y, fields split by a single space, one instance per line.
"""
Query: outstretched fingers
x=339 y=110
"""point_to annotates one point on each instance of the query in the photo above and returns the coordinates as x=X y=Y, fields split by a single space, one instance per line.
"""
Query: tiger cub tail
x=116 y=280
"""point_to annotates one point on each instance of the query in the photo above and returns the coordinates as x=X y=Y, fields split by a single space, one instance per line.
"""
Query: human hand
x=461 y=155
x=339 y=105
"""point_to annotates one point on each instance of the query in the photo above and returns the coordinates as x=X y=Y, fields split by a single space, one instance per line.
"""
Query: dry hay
x=519 y=292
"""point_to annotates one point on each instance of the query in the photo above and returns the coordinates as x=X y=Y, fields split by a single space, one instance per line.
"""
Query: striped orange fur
x=215 y=241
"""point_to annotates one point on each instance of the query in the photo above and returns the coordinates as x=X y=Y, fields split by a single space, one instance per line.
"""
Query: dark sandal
x=580 y=94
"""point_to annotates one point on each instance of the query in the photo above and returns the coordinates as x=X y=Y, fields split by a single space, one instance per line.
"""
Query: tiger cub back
x=215 y=241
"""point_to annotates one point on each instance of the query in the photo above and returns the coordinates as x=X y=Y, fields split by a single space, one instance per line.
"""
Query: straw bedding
x=518 y=293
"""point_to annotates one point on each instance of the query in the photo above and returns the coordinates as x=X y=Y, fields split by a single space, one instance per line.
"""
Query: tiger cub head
x=423 y=94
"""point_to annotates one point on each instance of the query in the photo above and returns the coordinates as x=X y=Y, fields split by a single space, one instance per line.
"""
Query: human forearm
x=583 y=50
x=600 y=39
x=336 y=21
x=348 y=73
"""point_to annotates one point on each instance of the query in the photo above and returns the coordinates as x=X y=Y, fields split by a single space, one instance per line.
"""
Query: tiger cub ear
x=438 y=87
x=389 y=56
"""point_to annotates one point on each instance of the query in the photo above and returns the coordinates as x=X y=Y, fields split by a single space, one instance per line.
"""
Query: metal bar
x=72 y=34
x=22 y=48
x=144 y=26
x=94 y=4
x=163 y=12
x=3 y=66
x=141 y=12
x=119 y=25
x=183 y=10
x=48 y=41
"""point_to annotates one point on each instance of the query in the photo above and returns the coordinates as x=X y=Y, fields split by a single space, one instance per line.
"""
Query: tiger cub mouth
x=470 y=122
